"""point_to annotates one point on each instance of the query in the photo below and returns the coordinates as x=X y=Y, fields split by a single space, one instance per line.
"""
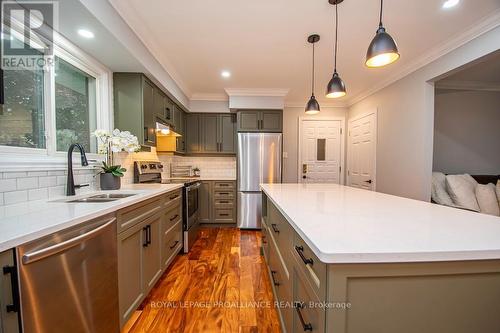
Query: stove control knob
x=144 y=166
x=160 y=166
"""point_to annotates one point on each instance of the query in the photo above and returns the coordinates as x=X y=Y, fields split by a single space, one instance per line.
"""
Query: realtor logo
x=27 y=34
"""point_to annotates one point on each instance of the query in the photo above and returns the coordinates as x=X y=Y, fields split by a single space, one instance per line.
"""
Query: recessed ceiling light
x=450 y=3
x=225 y=74
x=85 y=33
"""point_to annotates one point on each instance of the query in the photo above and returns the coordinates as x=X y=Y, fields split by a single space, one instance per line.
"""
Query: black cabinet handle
x=175 y=244
x=14 y=307
x=174 y=217
x=149 y=234
x=300 y=251
x=145 y=231
x=276 y=283
x=305 y=326
x=275 y=229
x=173 y=197
x=224 y=214
x=224 y=202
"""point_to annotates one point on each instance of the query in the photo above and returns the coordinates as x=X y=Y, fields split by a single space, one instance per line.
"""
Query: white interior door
x=320 y=158
x=361 y=151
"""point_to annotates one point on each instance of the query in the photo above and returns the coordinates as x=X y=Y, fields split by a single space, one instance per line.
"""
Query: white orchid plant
x=115 y=142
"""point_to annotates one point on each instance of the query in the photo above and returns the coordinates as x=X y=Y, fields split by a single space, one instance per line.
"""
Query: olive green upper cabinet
x=180 y=128
x=260 y=121
x=193 y=133
x=162 y=106
x=211 y=133
x=134 y=104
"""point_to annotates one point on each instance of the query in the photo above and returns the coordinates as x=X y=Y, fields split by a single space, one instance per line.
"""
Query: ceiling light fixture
x=450 y=3
x=383 y=49
x=225 y=74
x=86 y=33
x=336 y=87
x=312 y=106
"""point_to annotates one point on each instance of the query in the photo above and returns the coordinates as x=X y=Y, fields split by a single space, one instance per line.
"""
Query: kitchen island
x=361 y=261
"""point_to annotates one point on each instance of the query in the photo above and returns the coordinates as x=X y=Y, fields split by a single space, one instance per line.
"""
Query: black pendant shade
x=383 y=49
x=336 y=87
x=312 y=106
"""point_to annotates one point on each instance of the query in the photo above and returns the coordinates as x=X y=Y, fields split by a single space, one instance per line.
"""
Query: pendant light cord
x=381 y=9
x=336 y=36
x=313 y=72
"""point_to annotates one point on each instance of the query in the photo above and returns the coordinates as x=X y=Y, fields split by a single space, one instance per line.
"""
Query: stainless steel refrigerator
x=259 y=161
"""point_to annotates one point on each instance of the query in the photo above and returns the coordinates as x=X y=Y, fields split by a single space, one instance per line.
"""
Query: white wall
x=467 y=132
x=209 y=106
x=290 y=136
x=406 y=121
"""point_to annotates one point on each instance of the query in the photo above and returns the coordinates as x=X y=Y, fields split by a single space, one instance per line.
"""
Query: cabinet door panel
x=209 y=137
x=152 y=254
x=130 y=284
x=271 y=121
x=248 y=121
x=8 y=320
x=205 y=212
x=149 y=113
x=159 y=103
x=227 y=133
x=193 y=133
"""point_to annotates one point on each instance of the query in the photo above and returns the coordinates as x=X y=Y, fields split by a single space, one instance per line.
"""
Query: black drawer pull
x=146 y=237
x=224 y=202
x=276 y=283
x=224 y=214
x=300 y=251
x=14 y=307
x=174 y=217
x=305 y=326
x=223 y=185
x=275 y=229
x=175 y=244
x=175 y=196
x=224 y=193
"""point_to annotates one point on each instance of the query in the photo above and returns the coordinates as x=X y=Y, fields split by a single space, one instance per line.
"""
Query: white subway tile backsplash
x=56 y=173
x=47 y=181
x=56 y=191
x=7 y=185
x=38 y=194
x=37 y=173
x=27 y=183
x=61 y=180
x=15 y=197
x=10 y=175
x=1 y=199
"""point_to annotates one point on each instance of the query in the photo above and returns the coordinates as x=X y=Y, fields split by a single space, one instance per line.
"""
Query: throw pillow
x=439 y=194
x=487 y=199
x=462 y=191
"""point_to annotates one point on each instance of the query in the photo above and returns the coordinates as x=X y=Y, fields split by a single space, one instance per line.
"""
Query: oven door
x=192 y=204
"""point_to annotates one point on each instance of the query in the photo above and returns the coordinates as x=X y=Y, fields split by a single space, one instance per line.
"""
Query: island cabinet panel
x=8 y=319
x=150 y=235
x=307 y=314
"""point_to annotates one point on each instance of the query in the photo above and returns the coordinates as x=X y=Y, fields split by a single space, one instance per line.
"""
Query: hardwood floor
x=220 y=286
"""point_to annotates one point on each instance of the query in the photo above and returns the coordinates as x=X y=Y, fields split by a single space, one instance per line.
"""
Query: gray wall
x=290 y=136
x=406 y=121
x=467 y=132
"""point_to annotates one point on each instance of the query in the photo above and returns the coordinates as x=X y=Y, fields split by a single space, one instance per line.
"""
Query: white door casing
x=321 y=150
x=362 y=151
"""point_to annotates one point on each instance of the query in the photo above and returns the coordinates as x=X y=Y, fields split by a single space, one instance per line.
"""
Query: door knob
x=304 y=177
x=368 y=181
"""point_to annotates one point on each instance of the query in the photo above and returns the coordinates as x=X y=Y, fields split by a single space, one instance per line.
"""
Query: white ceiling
x=263 y=42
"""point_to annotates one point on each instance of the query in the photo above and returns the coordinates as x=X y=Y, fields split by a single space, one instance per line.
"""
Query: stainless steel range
x=149 y=172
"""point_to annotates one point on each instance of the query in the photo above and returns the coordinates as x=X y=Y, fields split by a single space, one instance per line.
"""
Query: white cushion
x=438 y=193
x=487 y=199
x=462 y=190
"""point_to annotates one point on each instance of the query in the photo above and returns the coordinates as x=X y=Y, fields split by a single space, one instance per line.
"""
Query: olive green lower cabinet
x=9 y=320
x=431 y=297
x=149 y=237
x=218 y=201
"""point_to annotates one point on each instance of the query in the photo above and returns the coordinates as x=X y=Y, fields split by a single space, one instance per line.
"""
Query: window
x=22 y=119
x=75 y=107
x=46 y=110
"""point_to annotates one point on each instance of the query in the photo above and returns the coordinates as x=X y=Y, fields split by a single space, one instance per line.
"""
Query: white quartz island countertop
x=347 y=225
x=28 y=221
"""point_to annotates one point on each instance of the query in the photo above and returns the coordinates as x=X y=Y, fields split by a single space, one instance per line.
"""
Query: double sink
x=106 y=197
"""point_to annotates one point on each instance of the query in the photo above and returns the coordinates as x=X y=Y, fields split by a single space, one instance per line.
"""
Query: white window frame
x=48 y=158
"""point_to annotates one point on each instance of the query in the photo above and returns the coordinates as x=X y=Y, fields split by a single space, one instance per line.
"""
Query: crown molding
x=488 y=23
x=339 y=105
x=256 y=92
x=213 y=97
x=468 y=85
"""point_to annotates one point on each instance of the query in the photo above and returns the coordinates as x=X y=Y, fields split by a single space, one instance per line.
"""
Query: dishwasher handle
x=29 y=258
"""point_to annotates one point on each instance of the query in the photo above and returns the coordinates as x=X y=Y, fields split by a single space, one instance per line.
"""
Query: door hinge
x=340 y=169
x=341 y=131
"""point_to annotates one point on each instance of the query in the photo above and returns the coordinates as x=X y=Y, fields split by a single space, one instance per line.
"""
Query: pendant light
x=312 y=106
x=336 y=87
x=383 y=49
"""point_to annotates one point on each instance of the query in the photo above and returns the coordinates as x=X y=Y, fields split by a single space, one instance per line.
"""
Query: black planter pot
x=109 y=182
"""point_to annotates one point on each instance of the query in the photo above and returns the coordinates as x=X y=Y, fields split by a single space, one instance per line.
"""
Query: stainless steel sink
x=106 y=197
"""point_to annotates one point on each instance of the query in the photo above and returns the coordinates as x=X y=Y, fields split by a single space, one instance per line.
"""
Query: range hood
x=166 y=138
x=163 y=130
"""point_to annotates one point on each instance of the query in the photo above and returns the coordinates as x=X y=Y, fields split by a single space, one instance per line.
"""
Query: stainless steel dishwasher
x=69 y=280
